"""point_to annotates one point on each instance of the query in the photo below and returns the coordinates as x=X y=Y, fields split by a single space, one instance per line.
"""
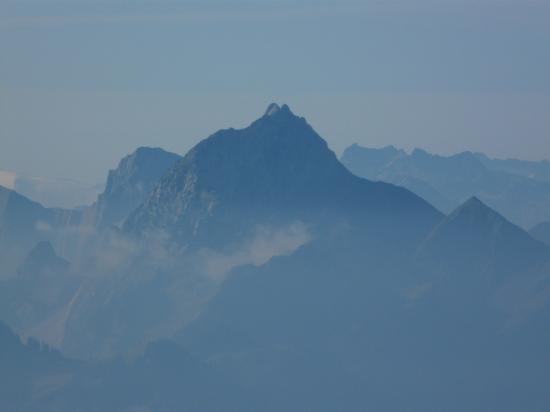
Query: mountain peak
x=475 y=212
x=42 y=257
x=473 y=201
x=42 y=250
x=274 y=109
x=474 y=235
x=276 y=169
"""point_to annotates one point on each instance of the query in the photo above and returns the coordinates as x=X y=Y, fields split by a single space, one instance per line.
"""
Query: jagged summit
x=274 y=109
x=474 y=203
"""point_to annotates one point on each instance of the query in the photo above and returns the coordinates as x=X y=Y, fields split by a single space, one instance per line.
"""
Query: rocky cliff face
x=130 y=183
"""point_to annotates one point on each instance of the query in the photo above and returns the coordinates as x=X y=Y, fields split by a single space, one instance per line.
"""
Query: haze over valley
x=259 y=267
x=274 y=206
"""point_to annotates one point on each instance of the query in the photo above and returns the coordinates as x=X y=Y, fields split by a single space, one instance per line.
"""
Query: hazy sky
x=83 y=82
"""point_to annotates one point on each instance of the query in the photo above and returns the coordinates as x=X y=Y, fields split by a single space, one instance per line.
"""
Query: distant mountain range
x=63 y=193
x=258 y=273
x=520 y=190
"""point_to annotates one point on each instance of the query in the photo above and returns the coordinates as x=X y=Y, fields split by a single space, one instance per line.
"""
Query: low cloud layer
x=265 y=243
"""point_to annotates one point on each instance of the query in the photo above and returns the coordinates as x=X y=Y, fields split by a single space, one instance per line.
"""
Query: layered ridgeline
x=23 y=223
x=37 y=294
x=284 y=282
x=239 y=197
x=520 y=190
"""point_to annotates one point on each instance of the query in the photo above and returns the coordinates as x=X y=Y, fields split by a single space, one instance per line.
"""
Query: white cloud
x=264 y=244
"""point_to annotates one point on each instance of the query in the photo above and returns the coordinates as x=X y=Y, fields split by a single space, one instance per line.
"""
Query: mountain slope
x=541 y=232
x=39 y=293
x=476 y=263
x=340 y=324
x=23 y=223
x=481 y=235
x=29 y=372
x=34 y=377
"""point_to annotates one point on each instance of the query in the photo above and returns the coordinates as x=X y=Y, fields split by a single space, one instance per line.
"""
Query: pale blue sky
x=83 y=82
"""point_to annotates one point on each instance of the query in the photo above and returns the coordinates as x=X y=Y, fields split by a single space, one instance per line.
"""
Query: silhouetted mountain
x=238 y=197
x=489 y=276
x=274 y=171
x=43 y=257
x=475 y=237
x=130 y=183
x=477 y=260
x=447 y=182
x=541 y=232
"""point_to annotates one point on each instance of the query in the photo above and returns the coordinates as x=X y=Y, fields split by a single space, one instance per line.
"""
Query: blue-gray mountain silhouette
x=538 y=170
x=276 y=170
